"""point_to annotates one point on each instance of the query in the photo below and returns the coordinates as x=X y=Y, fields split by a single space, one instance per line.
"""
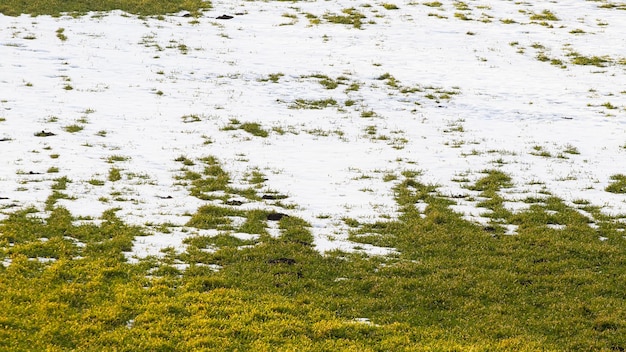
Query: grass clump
x=325 y=81
x=61 y=35
x=254 y=128
x=313 y=104
x=609 y=106
x=60 y=183
x=570 y=149
x=212 y=182
x=494 y=180
x=433 y=4
x=73 y=128
x=598 y=61
x=618 y=184
x=540 y=151
x=273 y=77
x=191 y=118
x=461 y=6
x=545 y=15
x=115 y=174
x=390 y=80
x=389 y=6
x=350 y=17
x=95 y=182
x=368 y=113
x=116 y=158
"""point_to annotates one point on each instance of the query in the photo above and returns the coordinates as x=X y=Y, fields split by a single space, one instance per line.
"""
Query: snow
x=118 y=65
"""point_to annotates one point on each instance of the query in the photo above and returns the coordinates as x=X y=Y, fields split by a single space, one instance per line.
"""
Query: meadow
x=175 y=182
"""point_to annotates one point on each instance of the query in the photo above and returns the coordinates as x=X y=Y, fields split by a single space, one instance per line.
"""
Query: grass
x=73 y=128
x=453 y=285
x=540 y=151
x=350 y=16
x=545 y=15
x=61 y=35
x=115 y=174
x=247 y=283
x=325 y=81
x=273 y=77
x=461 y=16
x=433 y=4
x=96 y=182
x=368 y=113
x=594 y=60
x=209 y=181
x=389 y=6
x=56 y=7
x=609 y=106
x=570 y=149
x=618 y=184
x=598 y=61
x=254 y=128
x=313 y=104
x=191 y=118
x=116 y=158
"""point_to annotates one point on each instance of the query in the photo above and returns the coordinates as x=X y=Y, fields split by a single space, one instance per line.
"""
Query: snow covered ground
x=449 y=91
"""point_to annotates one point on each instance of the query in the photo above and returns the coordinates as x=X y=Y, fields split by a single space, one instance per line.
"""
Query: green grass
x=350 y=16
x=598 y=61
x=433 y=4
x=453 y=285
x=461 y=16
x=273 y=77
x=570 y=149
x=618 y=184
x=389 y=6
x=61 y=35
x=209 y=181
x=368 y=113
x=95 y=182
x=116 y=158
x=254 y=128
x=56 y=7
x=73 y=128
x=545 y=15
x=540 y=151
x=115 y=174
x=313 y=104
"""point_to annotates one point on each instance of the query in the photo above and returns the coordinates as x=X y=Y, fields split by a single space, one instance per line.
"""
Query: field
x=312 y=176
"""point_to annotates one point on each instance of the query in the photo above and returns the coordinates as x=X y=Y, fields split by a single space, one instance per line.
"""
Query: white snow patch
x=329 y=164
